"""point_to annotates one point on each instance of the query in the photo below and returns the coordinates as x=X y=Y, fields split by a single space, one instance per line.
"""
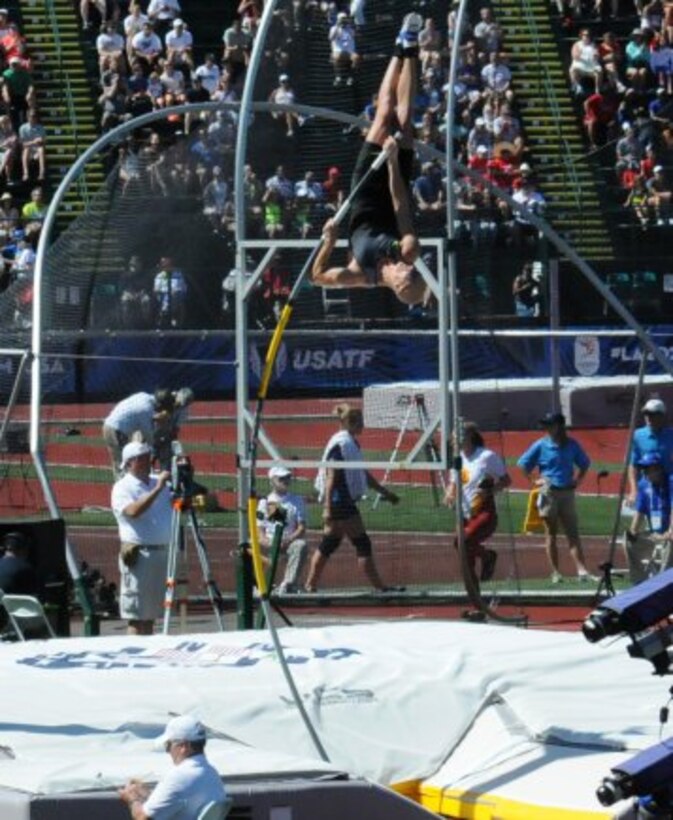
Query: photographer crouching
x=141 y=504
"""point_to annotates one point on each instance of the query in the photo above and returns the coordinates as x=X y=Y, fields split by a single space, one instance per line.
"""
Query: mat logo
x=280 y=365
x=184 y=654
x=321 y=359
x=587 y=355
x=333 y=696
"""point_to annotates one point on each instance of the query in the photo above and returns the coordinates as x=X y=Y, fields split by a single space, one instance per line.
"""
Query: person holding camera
x=141 y=504
x=650 y=530
x=483 y=474
x=281 y=506
x=345 y=57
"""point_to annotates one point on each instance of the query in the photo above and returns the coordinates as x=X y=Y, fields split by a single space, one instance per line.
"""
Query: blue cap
x=649 y=460
x=552 y=418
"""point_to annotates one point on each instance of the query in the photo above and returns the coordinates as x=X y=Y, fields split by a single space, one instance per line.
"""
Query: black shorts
x=373 y=204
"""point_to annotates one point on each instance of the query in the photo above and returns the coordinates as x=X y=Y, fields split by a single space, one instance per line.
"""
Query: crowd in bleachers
x=623 y=76
x=22 y=169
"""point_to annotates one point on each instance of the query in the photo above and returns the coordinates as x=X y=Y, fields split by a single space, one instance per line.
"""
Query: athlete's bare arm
x=350 y=276
x=409 y=248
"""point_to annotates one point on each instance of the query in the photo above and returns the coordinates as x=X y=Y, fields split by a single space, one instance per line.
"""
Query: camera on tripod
x=183 y=485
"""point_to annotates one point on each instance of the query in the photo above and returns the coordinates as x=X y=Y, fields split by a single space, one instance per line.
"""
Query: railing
x=53 y=27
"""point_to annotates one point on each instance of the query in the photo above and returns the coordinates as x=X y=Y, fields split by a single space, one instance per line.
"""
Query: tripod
x=417 y=403
x=182 y=505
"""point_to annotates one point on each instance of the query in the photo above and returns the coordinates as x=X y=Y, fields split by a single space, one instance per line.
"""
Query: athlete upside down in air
x=381 y=234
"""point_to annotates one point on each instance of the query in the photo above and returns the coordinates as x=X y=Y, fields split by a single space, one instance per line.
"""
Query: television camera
x=647 y=775
x=641 y=613
x=183 y=486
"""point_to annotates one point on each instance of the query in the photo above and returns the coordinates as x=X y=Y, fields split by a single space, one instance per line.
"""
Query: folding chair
x=27 y=611
x=215 y=810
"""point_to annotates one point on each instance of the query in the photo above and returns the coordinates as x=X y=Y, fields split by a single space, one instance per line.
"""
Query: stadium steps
x=71 y=127
x=551 y=127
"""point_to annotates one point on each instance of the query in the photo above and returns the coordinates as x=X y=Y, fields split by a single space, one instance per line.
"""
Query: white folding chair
x=25 y=611
x=216 y=810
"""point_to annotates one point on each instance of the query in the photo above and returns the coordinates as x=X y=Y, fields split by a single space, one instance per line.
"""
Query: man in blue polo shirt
x=557 y=464
x=655 y=436
x=650 y=529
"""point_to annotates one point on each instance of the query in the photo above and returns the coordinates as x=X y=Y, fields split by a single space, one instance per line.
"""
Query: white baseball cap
x=658 y=169
x=280 y=472
x=178 y=22
x=183 y=727
x=134 y=449
x=654 y=406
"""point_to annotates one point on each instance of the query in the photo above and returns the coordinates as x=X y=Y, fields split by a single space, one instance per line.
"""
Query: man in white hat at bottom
x=190 y=785
x=655 y=436
x=281 y=505
x=141 y=503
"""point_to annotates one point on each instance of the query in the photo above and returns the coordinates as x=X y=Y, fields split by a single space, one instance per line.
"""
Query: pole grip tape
x=257 y=564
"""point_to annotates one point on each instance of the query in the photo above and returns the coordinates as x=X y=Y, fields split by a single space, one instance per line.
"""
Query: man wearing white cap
x=190 y=785
x=179 y=43
x=655 y=436
x=141 y=503
x=292 y=511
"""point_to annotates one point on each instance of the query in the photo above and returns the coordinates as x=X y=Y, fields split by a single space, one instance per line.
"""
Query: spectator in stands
x=109 y=44
x=283 y=94
x=137 y=81
x=146 y=47
x=428 y=191
x=629 y=149
x=236 y=54
x=308 y=194
x=133 y=24
x=661 y=63
x=655 y=436
x=650 y=528
x=33 y=136
x=483 y=474
x=18 y=91
x=428 y=98
x=179 y=43
x=496 y=76
x=637 y=54
x=556 y=465
x=488 y=32
x=113 y=105
x=345 y=58
x=174 y=85
x=600 y=116
x=210 y=74
x=9 y=216
x=333 y=190
x=135 y=300
x=253 y=192
x=479 y=136
x=638 y=201
x=526 y=293
x=85 y=7
x=274 y=212
x=33 y=213
x=507 y=131
x=585 y=62
x=531 y=201
x=659 y=191
x=9 y=149
x=430 y=46
x=287 y=508
x=661 y=107
x=170 y=295
x=162 y=13
x=215 y=196
x=195 y=94
x=611 y=56
x=339 y=492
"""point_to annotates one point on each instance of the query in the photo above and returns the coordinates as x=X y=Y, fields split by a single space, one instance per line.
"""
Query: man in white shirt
x=162 y=13
x=288 y=508
x=210 y=73
x=191 y=784
x=146 y=46
x=135 y=416
x=109 y=44
x=141 y=504
x=179 y=42
x=170 y=293
x=344 y=53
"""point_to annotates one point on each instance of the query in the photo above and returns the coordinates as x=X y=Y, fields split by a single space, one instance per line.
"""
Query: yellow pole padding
x=257 y=563
x=533 y=522
x=272 y=352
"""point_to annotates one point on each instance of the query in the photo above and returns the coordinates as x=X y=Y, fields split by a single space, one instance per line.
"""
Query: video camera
x=183 y=485
x=638 y=612
x=647 y=774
